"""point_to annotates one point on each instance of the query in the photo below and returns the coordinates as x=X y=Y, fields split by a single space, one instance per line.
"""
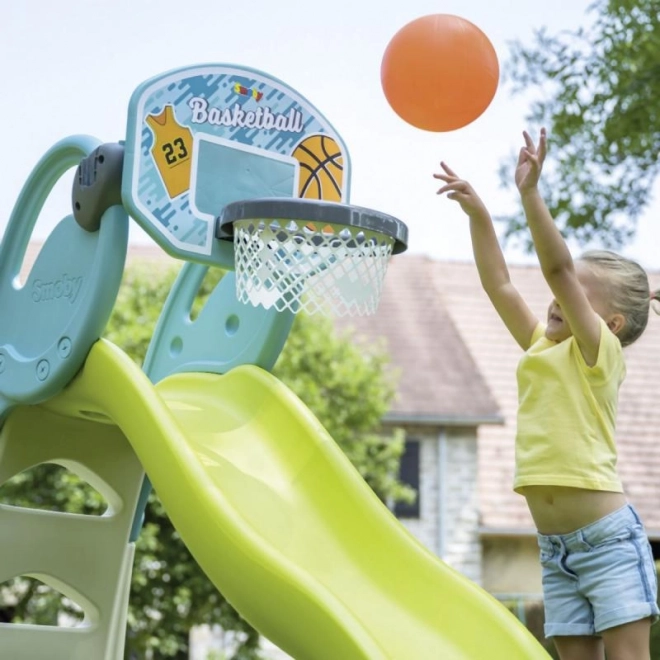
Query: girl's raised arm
x=492 y=268
x=554 y=257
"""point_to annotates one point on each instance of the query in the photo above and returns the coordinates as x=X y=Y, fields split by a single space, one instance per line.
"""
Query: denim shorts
x=597 y=577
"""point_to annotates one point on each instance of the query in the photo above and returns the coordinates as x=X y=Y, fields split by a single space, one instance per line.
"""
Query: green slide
x=284 y=525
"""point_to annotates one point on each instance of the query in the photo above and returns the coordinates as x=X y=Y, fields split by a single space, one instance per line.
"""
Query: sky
x=70 y=67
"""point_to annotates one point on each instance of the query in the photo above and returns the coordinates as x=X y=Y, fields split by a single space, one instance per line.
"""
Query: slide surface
x=284 y=525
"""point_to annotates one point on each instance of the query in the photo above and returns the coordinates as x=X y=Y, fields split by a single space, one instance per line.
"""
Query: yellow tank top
x=172 y=150
x=567 y=414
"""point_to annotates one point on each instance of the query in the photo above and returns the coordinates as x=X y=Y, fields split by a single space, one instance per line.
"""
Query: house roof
x=438 y=380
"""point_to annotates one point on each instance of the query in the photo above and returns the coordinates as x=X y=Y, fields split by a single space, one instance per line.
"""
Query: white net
x=301 y=265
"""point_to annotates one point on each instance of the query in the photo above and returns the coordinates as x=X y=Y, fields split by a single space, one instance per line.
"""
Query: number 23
x=169 y=150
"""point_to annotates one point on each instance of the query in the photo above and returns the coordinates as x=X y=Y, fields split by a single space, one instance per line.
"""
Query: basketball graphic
x=321 y=168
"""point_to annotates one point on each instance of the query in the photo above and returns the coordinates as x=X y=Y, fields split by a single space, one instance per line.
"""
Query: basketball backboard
x=201 y=137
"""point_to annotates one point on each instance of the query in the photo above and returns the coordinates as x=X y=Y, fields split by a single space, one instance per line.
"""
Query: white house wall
x=449 y=517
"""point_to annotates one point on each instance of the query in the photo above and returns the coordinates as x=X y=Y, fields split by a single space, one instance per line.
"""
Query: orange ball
x=439 y=72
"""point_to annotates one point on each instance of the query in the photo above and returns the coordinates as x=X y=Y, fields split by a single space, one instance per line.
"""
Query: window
x=409 y=475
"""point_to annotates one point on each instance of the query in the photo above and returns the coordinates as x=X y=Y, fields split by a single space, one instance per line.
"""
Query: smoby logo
x=63 y=288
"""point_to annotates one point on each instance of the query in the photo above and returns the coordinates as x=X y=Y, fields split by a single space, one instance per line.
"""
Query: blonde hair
x=628 y=291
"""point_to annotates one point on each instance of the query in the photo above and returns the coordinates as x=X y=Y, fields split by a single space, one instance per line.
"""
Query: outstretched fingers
x=543 y=145
x=449 y=177
x=448 y=169
x=523 y=155
x=453 y=187
x=533 y=152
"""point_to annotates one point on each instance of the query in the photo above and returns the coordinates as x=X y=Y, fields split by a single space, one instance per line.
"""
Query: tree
x=345 y=384
x=597 y=90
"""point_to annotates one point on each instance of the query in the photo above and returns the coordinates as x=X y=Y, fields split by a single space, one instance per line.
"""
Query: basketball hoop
x=307 y=255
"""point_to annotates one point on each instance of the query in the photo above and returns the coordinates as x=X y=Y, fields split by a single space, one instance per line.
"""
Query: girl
x=599 y=581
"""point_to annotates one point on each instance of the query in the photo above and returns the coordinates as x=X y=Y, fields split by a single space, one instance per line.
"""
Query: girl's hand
x=530 y=163
x=460 y=191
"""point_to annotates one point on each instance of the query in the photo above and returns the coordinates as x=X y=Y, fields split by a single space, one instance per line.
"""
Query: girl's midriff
x=561 y=510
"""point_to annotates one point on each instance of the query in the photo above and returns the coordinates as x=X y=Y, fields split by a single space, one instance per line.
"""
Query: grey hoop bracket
x=312 y=211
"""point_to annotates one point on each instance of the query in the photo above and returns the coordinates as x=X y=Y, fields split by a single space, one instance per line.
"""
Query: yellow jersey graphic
x=172 y=150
